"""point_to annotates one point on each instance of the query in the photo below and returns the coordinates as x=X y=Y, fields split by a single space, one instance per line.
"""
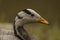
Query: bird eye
x=32 y=14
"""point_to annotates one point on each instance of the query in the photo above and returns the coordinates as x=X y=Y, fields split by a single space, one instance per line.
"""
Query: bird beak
x=42 y=20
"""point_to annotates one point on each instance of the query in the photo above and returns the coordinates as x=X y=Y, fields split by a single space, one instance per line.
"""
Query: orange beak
x=42 y=20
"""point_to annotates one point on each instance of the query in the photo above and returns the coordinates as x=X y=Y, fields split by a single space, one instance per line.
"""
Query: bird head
x=29 y=16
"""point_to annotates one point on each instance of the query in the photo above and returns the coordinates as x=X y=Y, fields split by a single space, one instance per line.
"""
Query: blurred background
x=49 y=9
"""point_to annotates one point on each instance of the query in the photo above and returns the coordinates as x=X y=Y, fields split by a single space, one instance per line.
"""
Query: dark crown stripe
x=26 y=11
x=15 y=33
x=19 y=17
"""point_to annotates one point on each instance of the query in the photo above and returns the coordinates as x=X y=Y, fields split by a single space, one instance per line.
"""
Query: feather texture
x=7 y=35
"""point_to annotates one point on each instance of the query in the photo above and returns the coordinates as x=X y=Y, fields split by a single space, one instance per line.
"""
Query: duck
x=23 y=17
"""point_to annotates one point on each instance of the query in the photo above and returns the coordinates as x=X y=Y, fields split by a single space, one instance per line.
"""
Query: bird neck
x=21 y=33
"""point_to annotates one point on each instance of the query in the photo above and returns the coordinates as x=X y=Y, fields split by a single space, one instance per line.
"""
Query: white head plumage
x=23 y=17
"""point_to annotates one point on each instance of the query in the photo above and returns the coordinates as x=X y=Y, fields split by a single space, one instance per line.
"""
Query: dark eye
x=32 y=14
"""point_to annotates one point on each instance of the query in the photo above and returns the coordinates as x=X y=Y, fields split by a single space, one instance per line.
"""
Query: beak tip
x=46 y=22
x=42 y=20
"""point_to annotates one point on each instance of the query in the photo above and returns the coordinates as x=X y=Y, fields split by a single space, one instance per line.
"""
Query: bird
x=23 y=17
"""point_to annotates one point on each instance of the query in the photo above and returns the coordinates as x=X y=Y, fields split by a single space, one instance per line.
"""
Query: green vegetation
x=43 y=32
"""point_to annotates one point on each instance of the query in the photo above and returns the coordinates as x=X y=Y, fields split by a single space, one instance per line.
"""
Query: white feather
x=9 y=35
